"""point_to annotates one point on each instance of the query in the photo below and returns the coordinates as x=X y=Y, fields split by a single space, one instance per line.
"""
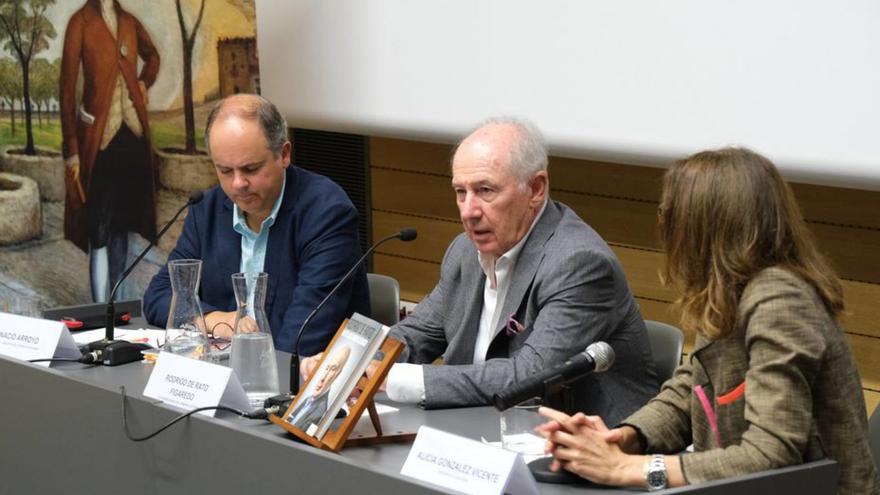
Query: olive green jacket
x=783 y=389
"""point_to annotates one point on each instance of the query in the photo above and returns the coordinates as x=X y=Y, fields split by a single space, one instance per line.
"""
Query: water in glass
x=252 y=355
x=183 y=330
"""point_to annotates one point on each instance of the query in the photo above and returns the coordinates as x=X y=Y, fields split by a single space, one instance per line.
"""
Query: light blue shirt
x=253 y=244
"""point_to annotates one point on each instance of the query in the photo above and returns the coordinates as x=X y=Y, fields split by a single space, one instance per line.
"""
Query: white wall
x=632 y=81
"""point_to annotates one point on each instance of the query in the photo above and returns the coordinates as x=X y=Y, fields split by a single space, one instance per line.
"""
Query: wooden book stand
x=334 y=440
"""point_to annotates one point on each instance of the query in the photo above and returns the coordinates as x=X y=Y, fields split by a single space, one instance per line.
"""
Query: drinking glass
x=518 y=425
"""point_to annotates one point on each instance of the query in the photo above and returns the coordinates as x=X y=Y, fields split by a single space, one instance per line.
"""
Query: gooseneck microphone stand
x=404 y=235
x=112 y=352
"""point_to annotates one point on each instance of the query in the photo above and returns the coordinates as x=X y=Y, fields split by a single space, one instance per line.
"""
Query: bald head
x=251 y=108
x=515 y=144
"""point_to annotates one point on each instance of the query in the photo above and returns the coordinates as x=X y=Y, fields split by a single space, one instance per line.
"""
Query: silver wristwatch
x=655 y=473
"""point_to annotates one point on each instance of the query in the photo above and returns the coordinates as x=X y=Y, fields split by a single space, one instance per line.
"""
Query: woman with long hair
x=771 y=381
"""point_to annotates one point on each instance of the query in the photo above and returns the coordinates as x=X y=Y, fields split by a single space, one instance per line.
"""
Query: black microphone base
x=283 y=401
x=97 y=345
x=540 y=469
x=122 y=352
x=114 y=352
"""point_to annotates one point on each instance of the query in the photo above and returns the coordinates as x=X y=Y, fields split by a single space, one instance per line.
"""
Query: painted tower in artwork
x=238 y=66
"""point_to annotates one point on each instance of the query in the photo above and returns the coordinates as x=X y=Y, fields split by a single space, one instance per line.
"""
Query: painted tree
x=10 y=86
x=56 y=69
x=189 y=40
x=26 y=31
x=44 y=85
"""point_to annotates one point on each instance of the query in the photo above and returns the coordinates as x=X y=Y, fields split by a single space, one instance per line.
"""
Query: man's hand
x=73 y=169
x=372 y=369
x=144 y=93
x=221 y=324
x=309 y=365
x=246 y=324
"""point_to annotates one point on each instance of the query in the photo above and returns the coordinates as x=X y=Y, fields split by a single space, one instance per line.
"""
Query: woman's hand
x=586 y=447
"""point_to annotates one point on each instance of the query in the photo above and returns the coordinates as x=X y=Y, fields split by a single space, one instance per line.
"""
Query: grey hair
x=528 y=155
x=252 y=107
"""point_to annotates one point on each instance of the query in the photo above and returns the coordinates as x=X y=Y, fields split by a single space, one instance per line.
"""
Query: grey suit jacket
x=567 y=289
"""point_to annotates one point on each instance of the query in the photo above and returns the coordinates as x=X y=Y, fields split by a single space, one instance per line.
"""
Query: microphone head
x=407 y=235
x=195 y=197
x=602 y=354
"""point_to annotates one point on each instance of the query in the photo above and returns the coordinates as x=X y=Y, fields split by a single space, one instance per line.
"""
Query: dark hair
x=251 y=107
x=725 y=215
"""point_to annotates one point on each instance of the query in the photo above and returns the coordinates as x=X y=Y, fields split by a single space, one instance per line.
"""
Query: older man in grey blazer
x=527 y=285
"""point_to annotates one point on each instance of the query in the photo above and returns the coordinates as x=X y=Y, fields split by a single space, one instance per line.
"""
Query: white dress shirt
x=406 y=381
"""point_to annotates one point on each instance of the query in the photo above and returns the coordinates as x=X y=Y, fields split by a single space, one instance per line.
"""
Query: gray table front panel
x=61 y=432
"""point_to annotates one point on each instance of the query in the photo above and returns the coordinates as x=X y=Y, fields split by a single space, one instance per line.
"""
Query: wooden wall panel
x=412 y=193
x=854 y=252
x=632 y=223
x=862 y=314
x=424 y=158
x=607 y=179
x=430 y=245
x=853 y=207
x=653 y=309
x=411 y=188
x=642 y=272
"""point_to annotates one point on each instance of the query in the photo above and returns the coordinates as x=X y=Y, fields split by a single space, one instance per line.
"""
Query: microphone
x=596 y=358
x=120 y=356
x=404 y=235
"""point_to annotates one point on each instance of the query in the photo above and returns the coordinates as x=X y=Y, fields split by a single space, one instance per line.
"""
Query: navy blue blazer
x=311 y=245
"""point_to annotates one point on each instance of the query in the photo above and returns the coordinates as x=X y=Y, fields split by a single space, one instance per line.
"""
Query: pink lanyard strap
x=710 y=413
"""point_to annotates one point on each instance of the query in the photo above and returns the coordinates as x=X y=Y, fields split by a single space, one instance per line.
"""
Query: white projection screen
x=628 y=81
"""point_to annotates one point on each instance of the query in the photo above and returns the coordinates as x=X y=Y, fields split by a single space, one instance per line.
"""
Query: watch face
x=657 y=479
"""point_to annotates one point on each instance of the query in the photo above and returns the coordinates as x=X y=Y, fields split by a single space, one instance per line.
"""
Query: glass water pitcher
x=252 y=356
x=184 y=333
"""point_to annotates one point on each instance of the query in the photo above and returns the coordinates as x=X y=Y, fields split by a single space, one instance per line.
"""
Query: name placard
x=27 y=338
x=190 y=384
x=467 y=466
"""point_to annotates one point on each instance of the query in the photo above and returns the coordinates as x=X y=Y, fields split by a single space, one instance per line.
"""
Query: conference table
x=61 y=432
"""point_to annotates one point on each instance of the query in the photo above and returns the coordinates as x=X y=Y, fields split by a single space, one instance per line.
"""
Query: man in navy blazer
x=267 y=216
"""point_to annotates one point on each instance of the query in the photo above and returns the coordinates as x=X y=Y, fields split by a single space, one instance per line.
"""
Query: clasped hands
x=586 y=447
